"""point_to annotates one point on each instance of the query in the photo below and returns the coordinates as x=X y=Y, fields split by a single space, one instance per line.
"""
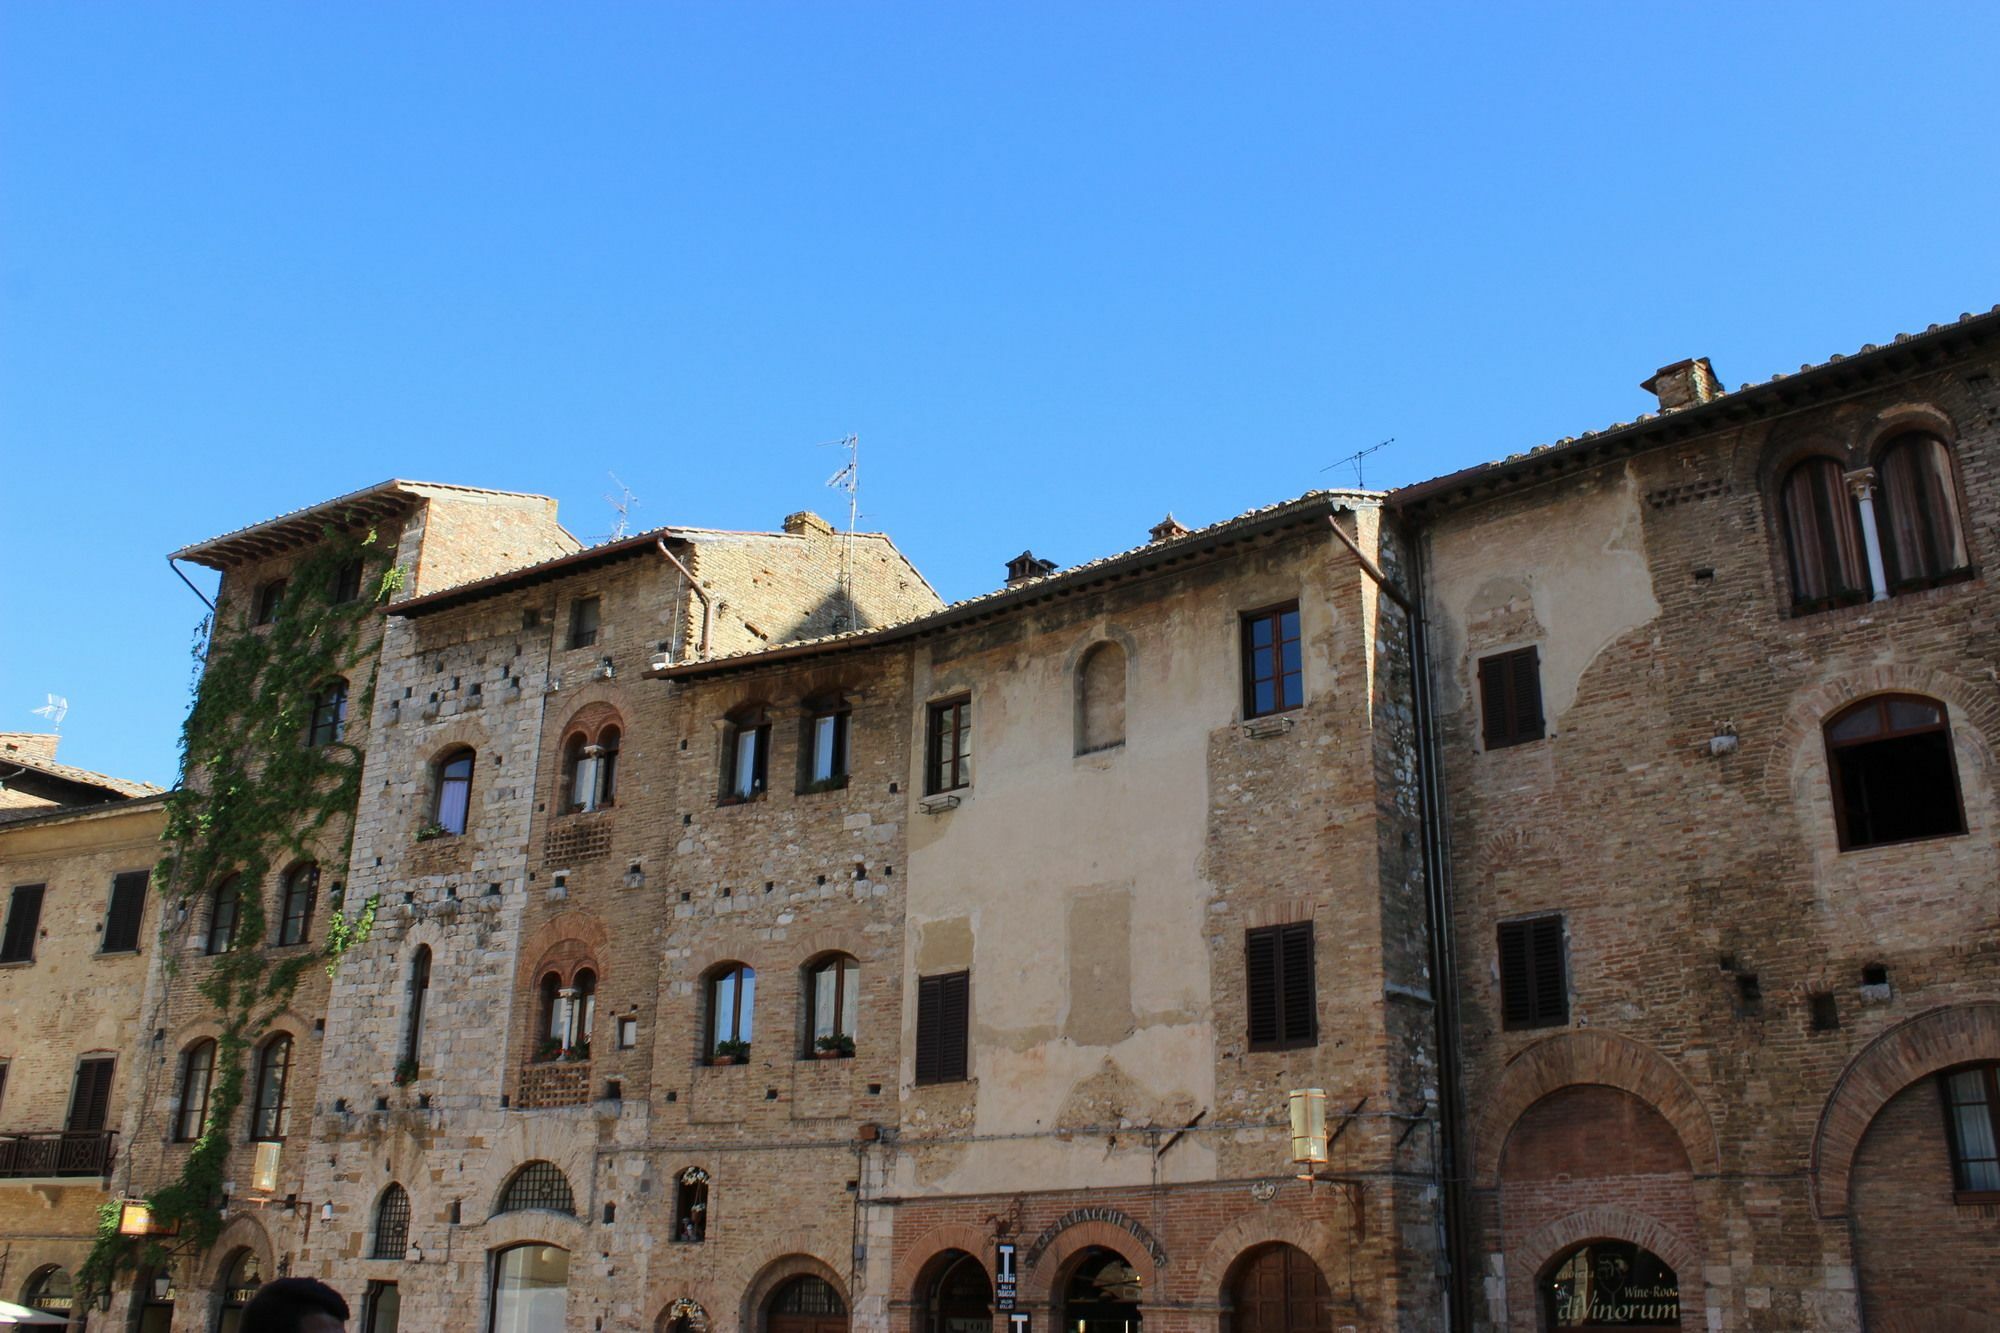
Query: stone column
x=1861 y=484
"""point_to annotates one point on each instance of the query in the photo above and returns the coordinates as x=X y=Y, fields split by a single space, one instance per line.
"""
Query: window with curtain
x=1829 y=566
x=454 y=791
x=197 y=1076
x=732 y=996
x=832 y=993
x=1917 y=513
x=269 y=1115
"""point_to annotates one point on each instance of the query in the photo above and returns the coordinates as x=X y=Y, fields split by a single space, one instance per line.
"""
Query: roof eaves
x=290 y=530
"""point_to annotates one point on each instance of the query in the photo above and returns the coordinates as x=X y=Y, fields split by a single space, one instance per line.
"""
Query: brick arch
x=1608 y=1222
x=589 y=719
x=1040 y=1283
x=688 y=1306
x=1265 y=1226
x=1913 y=1049
x=1904 y=419
x=1973 y=712
x=975 y=1241
x=525 y=1139
x=797 y=1255
x=244 y=1232
x=833 y=939
x=570 y=937
x=1584 y=1057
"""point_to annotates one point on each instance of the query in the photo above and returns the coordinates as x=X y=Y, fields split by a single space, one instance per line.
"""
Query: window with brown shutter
x=128 y=908
x=24 y=918
x=943 y=1008
x=90 y=1101
x=1534 y=984
x=1278 y=974
x=1510 y=697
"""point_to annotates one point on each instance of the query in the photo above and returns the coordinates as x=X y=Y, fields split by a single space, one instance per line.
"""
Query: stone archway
x=1527 y=1260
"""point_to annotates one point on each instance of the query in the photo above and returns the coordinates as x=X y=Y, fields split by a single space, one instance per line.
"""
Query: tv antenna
x=622 y=505
x=848 y=479
x=1355 y=458
x=55 y=710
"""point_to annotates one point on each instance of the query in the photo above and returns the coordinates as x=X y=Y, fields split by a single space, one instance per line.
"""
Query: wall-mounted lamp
x=1309 y=1140
x=326 y=1212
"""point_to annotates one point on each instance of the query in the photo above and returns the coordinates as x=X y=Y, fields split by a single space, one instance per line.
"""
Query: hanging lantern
x=1308 y=1109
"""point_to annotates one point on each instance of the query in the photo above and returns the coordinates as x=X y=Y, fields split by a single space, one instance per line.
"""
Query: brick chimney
x=1167 y=529
x=1027 y=566
x=1687 y=383
x=36 y=745
x=806 y=523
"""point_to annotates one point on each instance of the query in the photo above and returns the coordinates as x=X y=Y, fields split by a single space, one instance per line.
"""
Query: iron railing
x=58 y=1152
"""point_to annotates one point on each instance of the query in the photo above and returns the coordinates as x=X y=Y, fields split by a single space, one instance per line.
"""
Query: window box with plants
x=431 y=832
x=730 y=1053
x=839 y=1046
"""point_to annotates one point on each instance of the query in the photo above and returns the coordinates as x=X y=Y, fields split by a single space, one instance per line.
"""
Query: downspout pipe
x=706 y=610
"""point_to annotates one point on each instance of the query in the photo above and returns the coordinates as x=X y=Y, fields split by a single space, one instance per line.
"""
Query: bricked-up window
x=392 y=1223
x=746 y=754
x=948 y=746
x=583 y=622
x=823 y=745
x=419 y=993
x=299 y=893
x=90 y=1097
x=1100 y=699
x=691 y=1206
x=1894 y=777
x=127 y=910
x=197 y=1077
x=1280 y=994
x=269 y=598
x=1510 y=697
x=732 y=1002
x=1534 y=984
x=944 y=1011
x=1273 y=662
x=1918 y=514
x=24 y=919
x=269 y=1114
x=452 y=801
x=538 y=1185
x=329 y=715
x=1972 y=1123
x=224 y=907
x=1822 y=537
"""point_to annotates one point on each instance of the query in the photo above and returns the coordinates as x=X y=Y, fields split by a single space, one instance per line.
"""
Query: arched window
x=1822 y=537
x=1100 y=699
x=223 y=910
x=551 y=1021
x=392 y=1223
x=1279 y=1289
x=269 y=1114
x=530 y=1289
x=732 y=993
x=746 y=770
x=197 y=1074
x=1610 y=1284
x=537 y=1185
x=1921 y=541
x=269 y=598
x=453 y=800
x=806 y=1304
x=329 y=714
x=954 y=1295
x=590 y=770
x=833 y=990
x=240 y=1280
x=1894 y=777
x=823 y=745
x=301 y=889
x=50 y=1289
x=420 y=986
x=691 y=1206
x=577 y=777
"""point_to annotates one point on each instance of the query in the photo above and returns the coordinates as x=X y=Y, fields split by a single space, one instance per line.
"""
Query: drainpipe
x=693 y=587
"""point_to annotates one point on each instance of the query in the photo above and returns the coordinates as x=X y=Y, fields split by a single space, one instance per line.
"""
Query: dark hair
x=281 y=1305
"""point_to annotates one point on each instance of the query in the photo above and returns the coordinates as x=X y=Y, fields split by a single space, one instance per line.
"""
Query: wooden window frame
x=756 y=724
x=958 y=709
x=78 y=1093
x=841 y=765
x=581 y=635
x=24 y=923
x=295 y=926
x=125 y=912
x=1991 y=1070
x=347 y=581
x=191 y=1118
x=1534 y=935
x=1505 y=680
x=1836 y=787
x=839 y=963
x=329 y=715
x=943 y=1053
x=1283 y=700
x=1277 y=950
x=277 y=1111
x=445 y=780
x=270 y=596
x=228 y=894
x=713 y=1036
x=1901 y=581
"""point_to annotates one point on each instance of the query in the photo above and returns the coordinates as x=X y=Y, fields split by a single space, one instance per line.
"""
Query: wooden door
x=1280 y=1290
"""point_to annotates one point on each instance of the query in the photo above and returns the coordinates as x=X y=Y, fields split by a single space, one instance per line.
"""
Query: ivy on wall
x=255 y=796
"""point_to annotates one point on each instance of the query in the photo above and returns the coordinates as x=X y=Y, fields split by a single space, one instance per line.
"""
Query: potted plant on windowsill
x=580 y=1051
x=406 y=1072
x=733 y=1052
x=836 y=1046
x=428 y=832
x=550 y=1049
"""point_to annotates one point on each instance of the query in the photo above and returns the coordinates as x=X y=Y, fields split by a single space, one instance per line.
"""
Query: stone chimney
x=806 y=523
x=1687 y=383
x=1167 y=529
x=1027 y=566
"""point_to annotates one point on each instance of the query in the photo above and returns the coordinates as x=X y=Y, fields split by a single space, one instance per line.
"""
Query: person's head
x=295 y=1305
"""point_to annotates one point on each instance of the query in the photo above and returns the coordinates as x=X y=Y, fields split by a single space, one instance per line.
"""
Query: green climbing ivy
x=254 y=796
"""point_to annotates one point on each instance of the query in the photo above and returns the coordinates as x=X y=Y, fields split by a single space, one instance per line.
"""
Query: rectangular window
x=749 y=761
x=943 y=1011
x=24 y=918
x=1510 y=696
x=90 y=1100
x=382 y=1307
x=583 y=614
x=948 y=746
x=1534 y=984
x=826 y=750
x=127 y=910
x=1281 y=995
x=347 y=583
x=628 y=1033
x=1273 y=664
x=1972 y=1123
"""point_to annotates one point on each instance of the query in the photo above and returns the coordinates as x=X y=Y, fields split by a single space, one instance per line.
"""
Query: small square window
x=628 y=1033
x=583 y=622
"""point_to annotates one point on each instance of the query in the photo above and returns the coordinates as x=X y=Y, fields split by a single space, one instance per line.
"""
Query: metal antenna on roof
x=848 y=479
x=55 y=710
x=1355 y=458
x=622 y=504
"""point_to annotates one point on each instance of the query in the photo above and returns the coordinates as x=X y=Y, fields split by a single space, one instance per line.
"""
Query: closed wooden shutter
x=1510 y=697
x=128 y=909
x=1534 y=985
x=1280 y=993
x=1295 y=953
x=943 y=1016
x=24 y=917
x=90 y=1102
x=1260 y=969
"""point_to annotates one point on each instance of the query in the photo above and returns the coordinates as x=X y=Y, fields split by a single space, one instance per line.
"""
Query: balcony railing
x=56 y=1153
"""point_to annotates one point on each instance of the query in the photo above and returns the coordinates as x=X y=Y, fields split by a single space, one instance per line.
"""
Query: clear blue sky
x=1063 y=267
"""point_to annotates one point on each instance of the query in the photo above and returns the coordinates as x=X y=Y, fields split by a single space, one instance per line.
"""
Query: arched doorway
x=806 y=1304
x=241 y=1277
x=1102 y=1294
x=1277 y=1288
x=51 y=1291
x=530 y=1289
x=954 y=1296
x=1610 y=1284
